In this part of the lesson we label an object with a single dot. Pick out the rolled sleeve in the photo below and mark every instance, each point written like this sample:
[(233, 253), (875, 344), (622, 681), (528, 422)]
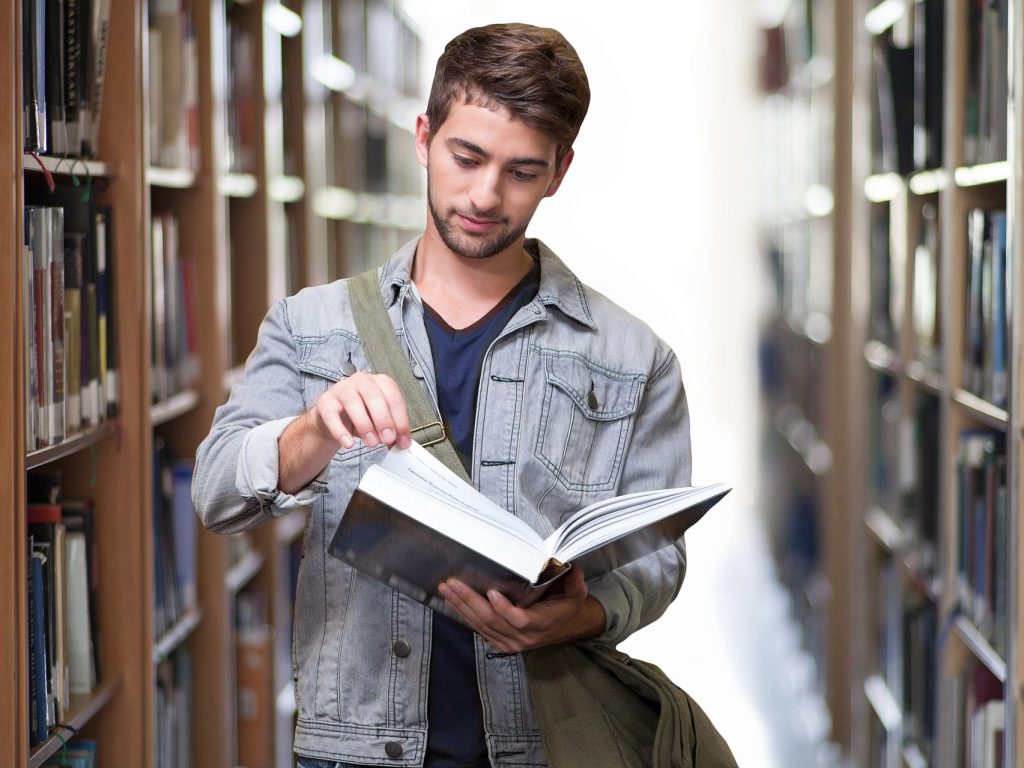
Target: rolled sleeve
[(257, 473)]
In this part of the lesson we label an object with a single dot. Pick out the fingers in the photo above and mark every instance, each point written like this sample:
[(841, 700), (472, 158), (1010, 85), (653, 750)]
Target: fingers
[(369, 407)]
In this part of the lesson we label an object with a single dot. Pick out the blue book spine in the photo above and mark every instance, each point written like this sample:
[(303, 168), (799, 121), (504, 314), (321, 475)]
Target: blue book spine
[(36, 651)]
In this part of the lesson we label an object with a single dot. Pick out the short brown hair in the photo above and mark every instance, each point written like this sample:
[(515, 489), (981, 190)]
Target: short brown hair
[(533, 72)]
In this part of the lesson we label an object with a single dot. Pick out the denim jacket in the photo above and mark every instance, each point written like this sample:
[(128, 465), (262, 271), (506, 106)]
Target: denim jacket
[(578, 401)]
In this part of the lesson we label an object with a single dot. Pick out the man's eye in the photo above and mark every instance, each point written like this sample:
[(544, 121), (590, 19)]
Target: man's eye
[(523, 175), (465, 162)]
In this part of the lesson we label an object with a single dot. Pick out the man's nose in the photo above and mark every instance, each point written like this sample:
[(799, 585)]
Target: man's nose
[(485, 194)]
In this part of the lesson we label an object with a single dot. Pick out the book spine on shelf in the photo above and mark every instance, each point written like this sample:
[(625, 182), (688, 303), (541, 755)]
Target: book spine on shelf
[(34, 104)]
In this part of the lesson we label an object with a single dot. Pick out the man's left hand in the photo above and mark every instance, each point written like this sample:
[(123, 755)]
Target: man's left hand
[(570, 614)]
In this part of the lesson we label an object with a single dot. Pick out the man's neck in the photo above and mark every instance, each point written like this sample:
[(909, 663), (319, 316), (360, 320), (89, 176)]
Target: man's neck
[(461, 289)]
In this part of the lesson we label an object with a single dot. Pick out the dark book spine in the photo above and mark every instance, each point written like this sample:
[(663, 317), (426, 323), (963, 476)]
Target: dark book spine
[(33, 42), (54, 69), (105, 217), (72, 72), (36, 651)]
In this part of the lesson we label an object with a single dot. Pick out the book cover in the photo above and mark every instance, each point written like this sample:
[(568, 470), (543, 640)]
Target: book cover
[(412, 523)]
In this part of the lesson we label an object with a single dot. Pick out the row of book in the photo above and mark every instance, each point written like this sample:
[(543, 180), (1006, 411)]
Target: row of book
[(64, 53), (174, 321), (173, 710), (174, 539), (242, 120), (982, 534), (173, 80), (980, 727), (71, 380), (63, 627), (985, 86), (988, 297), (908, 91)]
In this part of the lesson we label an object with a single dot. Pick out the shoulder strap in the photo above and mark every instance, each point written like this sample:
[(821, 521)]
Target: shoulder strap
[(386, 356)]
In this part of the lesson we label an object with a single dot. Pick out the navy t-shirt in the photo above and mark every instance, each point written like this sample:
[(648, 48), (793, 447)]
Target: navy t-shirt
[(456, 735)]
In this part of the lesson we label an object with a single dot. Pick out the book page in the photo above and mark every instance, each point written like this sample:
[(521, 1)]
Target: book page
[(608, 520), (417, 467)]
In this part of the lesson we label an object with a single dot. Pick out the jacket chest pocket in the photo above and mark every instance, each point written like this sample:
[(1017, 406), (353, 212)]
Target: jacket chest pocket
[(326, 361), (586, 418)]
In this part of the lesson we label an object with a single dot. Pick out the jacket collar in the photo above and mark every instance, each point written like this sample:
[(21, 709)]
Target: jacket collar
[(559, 287)]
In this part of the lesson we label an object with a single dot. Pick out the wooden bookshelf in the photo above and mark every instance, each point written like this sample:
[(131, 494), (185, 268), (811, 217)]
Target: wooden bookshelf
[(251, 235), (916, 333)]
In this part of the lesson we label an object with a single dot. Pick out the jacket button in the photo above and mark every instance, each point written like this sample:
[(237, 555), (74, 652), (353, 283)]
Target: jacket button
[(401, 649), (393, 749)]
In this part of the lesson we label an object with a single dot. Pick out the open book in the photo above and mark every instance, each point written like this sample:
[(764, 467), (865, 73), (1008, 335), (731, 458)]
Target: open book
[(412, 523)]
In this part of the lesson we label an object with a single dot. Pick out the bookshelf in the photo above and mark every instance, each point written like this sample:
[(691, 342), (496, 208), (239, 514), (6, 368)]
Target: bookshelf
[(927, 360), (804, 360), (230, 228)]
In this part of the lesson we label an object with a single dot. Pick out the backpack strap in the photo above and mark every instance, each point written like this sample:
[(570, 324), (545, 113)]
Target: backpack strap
[(386, 356)]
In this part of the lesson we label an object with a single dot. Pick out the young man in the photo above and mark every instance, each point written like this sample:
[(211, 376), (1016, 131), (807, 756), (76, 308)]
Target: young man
[(553, 395)]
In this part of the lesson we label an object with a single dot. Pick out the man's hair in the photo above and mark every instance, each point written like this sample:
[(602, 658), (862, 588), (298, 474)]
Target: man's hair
[(533, 72)]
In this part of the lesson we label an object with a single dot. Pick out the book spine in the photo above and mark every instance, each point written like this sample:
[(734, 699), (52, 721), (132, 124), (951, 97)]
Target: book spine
[(34, 75), (72, 73), (57, 323), (73, 323), (105, 228), (37, 649), (54, 69), (102, 299), (96, 71), (29, 326)]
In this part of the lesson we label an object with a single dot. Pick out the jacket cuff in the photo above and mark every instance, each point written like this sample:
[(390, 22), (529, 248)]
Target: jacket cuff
[(613, 596), (256, 476)]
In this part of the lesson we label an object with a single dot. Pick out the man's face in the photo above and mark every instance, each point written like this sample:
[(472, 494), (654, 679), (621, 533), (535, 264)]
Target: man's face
[(486, 175)]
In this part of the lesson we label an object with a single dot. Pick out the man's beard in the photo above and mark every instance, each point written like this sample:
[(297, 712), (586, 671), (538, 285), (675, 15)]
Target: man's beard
[(471, 246)]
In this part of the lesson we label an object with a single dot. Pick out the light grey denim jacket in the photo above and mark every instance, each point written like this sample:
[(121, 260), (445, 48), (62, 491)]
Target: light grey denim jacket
[(544, 448)]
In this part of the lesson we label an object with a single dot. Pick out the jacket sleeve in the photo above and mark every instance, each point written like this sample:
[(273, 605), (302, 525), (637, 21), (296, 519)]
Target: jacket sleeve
[(658, 456), (235, 482)]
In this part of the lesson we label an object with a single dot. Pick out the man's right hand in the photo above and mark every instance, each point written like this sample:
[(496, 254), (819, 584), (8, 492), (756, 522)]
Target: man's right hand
[(364, 405)]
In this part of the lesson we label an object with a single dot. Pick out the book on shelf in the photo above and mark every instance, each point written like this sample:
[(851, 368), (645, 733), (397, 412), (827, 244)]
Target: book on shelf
[(173, 705), (986, 321), (893, 118), (68, 318), (48, 537), (64, 50), (983, 718), (920, 670), (174, 351), (38, 664), (174, 538), (986, 82), (173, 78), (33, 84), (929, 47), (241, 94), (412, 523), (981, 534), (926, 309)]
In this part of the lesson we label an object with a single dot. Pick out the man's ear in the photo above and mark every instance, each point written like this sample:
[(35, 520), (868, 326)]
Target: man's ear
[(563, 167), (422, 138)]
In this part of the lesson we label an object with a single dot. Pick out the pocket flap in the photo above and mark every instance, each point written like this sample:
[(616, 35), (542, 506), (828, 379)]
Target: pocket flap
[(333, 357), (599, 393)]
